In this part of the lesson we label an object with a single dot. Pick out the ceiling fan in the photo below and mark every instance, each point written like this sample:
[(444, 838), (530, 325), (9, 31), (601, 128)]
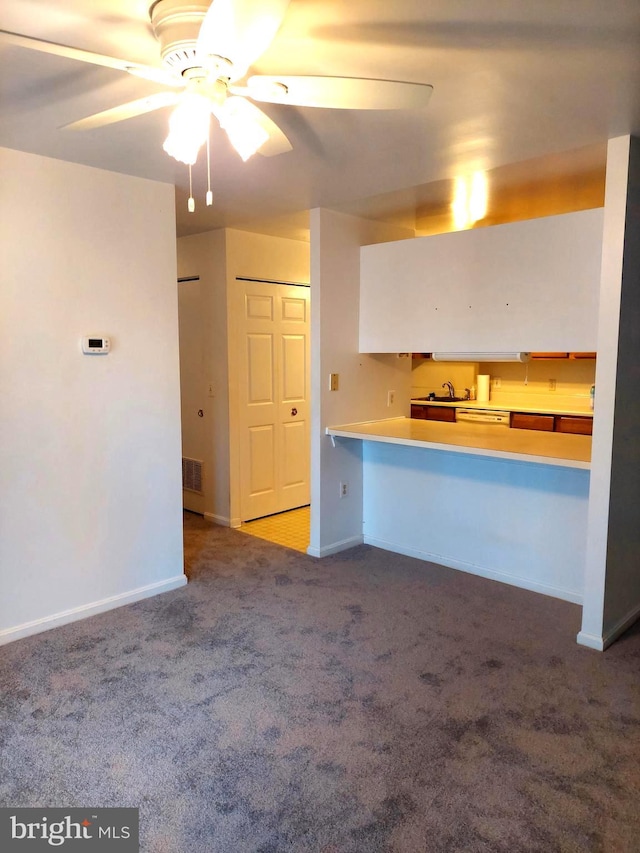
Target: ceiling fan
[(208, 46)]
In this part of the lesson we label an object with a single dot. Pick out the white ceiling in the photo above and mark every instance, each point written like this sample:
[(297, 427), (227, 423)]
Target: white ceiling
[(513, 80)]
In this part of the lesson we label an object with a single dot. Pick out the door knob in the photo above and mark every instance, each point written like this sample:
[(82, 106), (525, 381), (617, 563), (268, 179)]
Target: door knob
[(294, 412)]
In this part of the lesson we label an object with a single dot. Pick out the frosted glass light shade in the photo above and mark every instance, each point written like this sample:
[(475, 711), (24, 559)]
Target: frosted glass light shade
[(188, 127), (246, 134)]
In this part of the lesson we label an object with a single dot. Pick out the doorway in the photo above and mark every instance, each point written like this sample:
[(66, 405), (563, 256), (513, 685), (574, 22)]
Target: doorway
[(291, 529)]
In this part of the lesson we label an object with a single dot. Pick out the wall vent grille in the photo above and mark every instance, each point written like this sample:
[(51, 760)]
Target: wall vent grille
[(192, 475)]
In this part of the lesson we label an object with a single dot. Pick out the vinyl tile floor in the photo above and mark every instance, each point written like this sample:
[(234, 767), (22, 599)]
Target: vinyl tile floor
[(290, 529)]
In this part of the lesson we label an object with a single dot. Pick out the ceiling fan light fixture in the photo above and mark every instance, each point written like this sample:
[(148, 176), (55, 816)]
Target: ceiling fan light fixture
[(245, 133), (188, 127)]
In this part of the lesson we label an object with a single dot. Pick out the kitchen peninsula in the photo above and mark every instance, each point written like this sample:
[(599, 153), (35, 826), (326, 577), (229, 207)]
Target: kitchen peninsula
[(506, 504)]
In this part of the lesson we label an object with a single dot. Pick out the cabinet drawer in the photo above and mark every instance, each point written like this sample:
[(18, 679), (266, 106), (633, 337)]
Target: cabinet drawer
[(433, 413), (577, 425), (440, 413), (520, 420)]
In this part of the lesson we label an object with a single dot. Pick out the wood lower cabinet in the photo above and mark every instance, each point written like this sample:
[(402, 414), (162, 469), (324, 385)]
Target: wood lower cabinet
[(574, 424), (434, 413), (522, 420), (553, 423)]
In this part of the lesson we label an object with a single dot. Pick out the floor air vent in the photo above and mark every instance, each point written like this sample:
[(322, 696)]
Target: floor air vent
[(192, 475)]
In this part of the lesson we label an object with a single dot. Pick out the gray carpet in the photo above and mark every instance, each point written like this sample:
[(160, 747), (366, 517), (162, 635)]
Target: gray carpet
[(366, 702)]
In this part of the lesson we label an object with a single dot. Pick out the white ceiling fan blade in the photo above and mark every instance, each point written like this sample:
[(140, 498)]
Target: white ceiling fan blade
[(347, 93), (124, 111), (158, 75), (240, 31)]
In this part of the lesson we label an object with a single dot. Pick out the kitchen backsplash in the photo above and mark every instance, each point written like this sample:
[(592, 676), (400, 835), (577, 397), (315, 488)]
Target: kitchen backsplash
[(512, 384), (427, 376)]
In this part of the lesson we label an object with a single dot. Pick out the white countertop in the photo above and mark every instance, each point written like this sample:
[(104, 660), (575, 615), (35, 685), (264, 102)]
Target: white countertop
[(544, 409), (544, 448)]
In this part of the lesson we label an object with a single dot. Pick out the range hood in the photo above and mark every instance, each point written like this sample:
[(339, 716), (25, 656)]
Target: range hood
[(522, 357)]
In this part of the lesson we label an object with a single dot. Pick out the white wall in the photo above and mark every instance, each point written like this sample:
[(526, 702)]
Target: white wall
[(529, 285), (364, 379), (612, 579), (203, 255), (219, 257), (90, 509)]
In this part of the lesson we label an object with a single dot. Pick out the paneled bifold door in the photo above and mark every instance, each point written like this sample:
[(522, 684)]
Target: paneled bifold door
[(274, 398)]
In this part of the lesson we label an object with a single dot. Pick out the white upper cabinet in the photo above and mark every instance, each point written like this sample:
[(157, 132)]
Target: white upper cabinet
[(529, 286)]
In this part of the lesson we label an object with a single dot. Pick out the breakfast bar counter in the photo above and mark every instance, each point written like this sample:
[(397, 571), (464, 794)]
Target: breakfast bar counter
[(545, 448)]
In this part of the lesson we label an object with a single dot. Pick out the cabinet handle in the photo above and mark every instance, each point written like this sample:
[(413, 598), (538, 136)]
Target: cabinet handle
[(294, 412)]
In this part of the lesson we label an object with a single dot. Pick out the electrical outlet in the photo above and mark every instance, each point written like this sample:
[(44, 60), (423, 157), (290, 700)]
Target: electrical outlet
[(391, 398), (334, 381), (344, 490), (552, 385)]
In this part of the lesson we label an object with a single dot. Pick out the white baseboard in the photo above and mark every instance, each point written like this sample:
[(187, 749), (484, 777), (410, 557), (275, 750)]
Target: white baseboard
[(8, 635), (591, 641), (335, 547), (222, 520), (480, 571), (610, 636)]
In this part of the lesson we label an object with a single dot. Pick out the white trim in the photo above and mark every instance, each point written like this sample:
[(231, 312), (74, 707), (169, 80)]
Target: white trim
[(480, 571), (591, 641), (602, 643), (8, 635), (336, 547), (223, 520)]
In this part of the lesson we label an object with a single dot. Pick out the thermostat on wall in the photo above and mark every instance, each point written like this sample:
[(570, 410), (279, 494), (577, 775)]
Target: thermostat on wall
[(95, 345)]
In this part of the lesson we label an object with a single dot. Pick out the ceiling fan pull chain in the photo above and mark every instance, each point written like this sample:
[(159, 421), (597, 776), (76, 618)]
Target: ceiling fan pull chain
[(209, 193), (191, 204)]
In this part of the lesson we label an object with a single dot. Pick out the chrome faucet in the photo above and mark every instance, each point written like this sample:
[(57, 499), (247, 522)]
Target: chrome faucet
[(449, 385)]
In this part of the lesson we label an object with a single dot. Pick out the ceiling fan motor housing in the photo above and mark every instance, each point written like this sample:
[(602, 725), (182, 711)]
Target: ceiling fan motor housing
[(176, 24)]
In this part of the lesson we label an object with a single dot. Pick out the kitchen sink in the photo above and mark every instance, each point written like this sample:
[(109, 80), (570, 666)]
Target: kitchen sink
[(442, 399)]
